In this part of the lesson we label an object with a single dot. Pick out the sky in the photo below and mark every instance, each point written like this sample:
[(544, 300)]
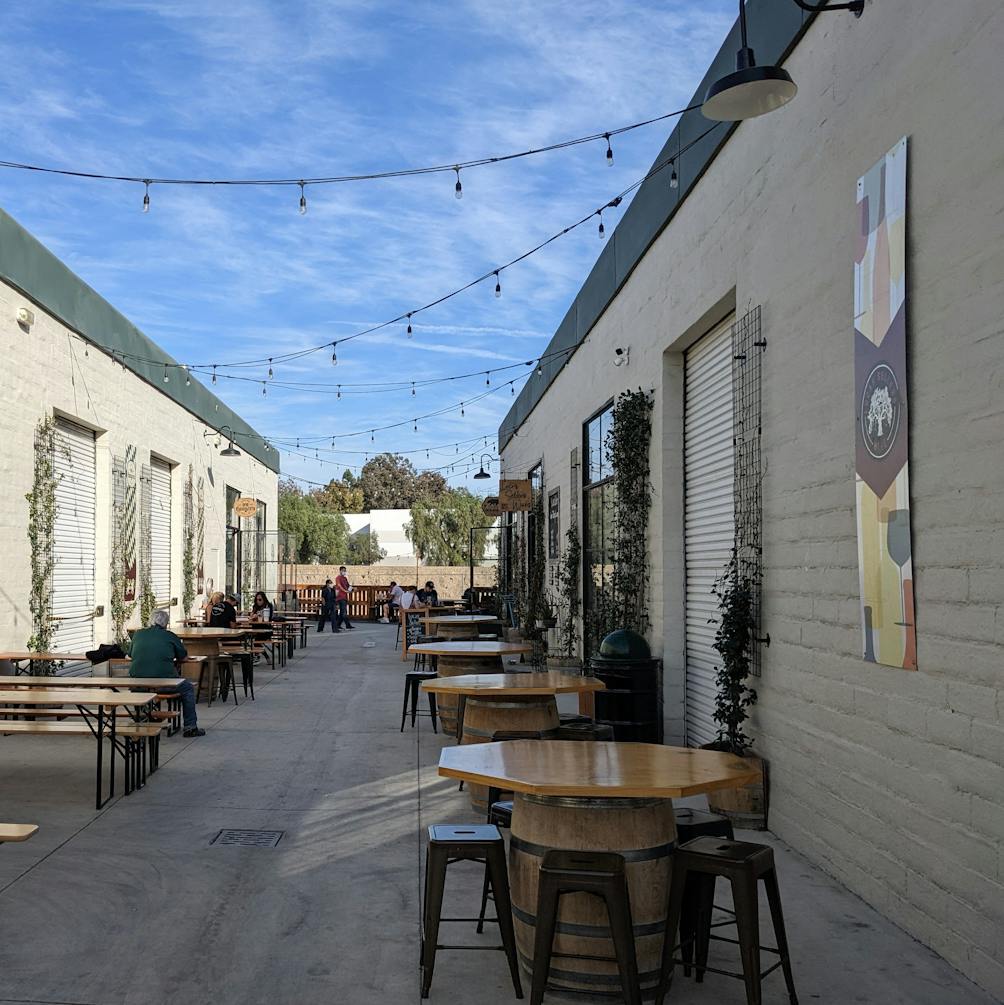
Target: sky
[(268, 88)]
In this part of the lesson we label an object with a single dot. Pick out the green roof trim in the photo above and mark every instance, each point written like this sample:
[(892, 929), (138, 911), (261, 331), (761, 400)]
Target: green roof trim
[(775, 28), (28, 266)]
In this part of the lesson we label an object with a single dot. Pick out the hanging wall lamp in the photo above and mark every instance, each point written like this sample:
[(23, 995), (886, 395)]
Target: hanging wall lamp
[(756, 90)]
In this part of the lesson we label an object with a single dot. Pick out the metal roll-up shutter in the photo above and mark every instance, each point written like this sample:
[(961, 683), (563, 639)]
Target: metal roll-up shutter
[(709, 521), (73, 539), (160, 530)]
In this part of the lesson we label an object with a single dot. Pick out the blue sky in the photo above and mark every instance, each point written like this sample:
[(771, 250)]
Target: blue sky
[(253, 88)]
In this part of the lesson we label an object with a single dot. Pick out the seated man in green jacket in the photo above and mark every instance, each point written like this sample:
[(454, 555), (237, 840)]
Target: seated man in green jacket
[(156, 652)]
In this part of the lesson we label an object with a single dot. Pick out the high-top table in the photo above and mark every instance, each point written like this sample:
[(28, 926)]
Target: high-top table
[(492, 703), (594, 797), (452, 626)]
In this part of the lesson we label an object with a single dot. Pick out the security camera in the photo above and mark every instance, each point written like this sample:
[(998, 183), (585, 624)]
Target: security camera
[(622, 356)]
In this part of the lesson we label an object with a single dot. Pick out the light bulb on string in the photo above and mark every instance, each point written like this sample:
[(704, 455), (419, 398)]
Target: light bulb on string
[(372, 440), (270, 368), (512, 390), (334, 354), (602, 231), (409, 325), (416, 425), (498, 284), (167, 379), (458, 189), (413, 389), (461, 408), (540, 368), (303, 200), (610, 150), (488, 378), (674, 181), (263, 391), (146, 197), (188, 378), (214, 373), (339, 391)]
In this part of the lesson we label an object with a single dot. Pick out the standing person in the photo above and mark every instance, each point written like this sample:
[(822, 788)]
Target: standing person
[(328, 608), (342, 590), (156, 652)]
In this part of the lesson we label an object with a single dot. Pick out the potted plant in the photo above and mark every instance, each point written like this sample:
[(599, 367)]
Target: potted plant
[(734, 638), (545, 613)]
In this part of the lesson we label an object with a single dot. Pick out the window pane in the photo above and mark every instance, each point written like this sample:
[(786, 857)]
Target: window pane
[(597, 465), (553, 525)]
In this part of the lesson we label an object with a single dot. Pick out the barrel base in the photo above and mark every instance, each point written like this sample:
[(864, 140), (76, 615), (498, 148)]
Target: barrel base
[(644, 832)]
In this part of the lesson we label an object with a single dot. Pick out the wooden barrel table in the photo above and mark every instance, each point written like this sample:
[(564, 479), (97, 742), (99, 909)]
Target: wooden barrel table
[(460, 626), (614, 797), (643, 831), (459, 659)]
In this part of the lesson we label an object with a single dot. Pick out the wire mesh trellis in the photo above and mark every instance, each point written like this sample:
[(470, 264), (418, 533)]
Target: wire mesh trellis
[(748, 346)]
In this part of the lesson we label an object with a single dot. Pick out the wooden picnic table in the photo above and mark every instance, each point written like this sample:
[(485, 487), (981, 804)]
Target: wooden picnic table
[(130, 683), (594, 797), (17, 832), (33, 658), (94, 705)]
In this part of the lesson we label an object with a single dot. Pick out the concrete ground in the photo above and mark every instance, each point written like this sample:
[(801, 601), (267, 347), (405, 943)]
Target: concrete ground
[(134, 904)]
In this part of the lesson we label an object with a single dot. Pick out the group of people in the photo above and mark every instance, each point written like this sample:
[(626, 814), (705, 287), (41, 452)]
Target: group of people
[(220, 610), (335, 603), (404, 598)]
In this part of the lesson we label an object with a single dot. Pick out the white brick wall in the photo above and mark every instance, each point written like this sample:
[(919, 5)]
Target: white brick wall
[(892, 781), (46, 369)]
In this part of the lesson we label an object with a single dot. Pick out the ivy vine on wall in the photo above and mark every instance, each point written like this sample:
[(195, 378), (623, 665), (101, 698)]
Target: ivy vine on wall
[(120, 609), (628, 448), (42, 511), (188, 569), (566, 583)]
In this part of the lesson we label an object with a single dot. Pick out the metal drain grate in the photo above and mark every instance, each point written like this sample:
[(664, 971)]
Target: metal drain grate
[(249, 839)]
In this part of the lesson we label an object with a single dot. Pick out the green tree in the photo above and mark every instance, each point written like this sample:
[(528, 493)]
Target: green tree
[(340, 497), (440, 528), (318, 536), (390, 481), (364, 549)]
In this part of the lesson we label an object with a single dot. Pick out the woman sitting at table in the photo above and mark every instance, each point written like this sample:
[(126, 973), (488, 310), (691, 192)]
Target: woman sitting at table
[(261, 610)]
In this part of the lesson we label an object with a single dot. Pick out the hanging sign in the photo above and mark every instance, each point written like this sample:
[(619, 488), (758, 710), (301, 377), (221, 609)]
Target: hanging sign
[(515, 495), (491, 506), (885, 557), (245, 507)]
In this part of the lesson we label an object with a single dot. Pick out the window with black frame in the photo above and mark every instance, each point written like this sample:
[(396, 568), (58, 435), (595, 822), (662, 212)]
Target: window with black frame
[(554, 525), (597, 525)]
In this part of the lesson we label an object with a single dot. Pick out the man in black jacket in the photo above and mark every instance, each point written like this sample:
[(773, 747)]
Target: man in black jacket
[(328, 608)]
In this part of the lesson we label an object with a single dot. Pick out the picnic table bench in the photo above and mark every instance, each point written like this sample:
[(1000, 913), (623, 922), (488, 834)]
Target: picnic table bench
[(97, 707), (33, 659), (17, 832)]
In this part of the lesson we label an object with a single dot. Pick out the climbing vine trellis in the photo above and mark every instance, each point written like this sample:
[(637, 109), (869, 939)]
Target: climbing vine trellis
[(122, 570), (42, 509), (566, 584), (188, 569), (147, 599), (628, 448)]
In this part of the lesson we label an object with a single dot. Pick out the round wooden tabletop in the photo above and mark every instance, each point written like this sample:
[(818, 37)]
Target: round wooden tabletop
[(502, 684), (605, 770), (470, 648)]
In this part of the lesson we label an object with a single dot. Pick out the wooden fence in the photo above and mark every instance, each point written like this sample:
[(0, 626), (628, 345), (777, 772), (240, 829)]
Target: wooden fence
[(362, 600)]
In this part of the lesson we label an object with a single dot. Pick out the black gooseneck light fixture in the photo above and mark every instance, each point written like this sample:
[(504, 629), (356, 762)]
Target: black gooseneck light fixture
[(230, 450), (482, 473), (756, 90)]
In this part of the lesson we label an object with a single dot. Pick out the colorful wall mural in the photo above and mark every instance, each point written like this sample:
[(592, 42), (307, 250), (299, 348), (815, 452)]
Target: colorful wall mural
[(885, 554)]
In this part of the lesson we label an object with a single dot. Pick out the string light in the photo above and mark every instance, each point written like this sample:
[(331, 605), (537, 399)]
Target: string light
[(416, 425), (334, 354), (601, 231), (461, 408), (167, 379), (540, 368), (413, 389), (409, 324), (488, 379), (674, 181), (303, 200), (270, 374), (458, 189), (339, 390), (498, 284), (263, 392), (188, 378), (146, 197), (610, 150), (214, 373)]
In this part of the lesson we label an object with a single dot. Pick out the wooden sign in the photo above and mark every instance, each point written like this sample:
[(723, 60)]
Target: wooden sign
[(515, 495), (491, 506), (246, 507)]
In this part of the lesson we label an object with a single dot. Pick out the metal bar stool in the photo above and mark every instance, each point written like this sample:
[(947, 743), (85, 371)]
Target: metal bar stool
[(743, 864), (595, 872), (412, 679), (471, 843)]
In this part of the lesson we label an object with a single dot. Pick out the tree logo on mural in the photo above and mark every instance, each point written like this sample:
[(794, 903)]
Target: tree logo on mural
[(881, 408)]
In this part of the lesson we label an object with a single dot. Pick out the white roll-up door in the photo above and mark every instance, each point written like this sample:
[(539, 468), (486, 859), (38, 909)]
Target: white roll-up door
[(709, 524), (73, 539), (160, 530)]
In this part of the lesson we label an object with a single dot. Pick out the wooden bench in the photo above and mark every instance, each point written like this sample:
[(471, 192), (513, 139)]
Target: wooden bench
[(132, 739), (17, 832)]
